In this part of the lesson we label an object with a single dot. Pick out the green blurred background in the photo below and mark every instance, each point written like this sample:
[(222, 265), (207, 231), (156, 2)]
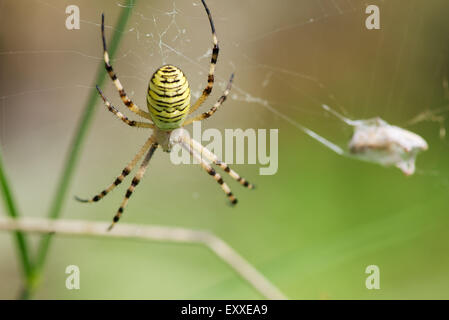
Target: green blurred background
[(312, 228)]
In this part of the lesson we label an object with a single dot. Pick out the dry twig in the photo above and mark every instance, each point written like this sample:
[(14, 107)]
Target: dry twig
[(153, 233)]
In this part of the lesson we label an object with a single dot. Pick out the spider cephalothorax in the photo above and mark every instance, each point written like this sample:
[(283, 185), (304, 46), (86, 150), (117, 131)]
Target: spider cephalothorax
[(168, 100)]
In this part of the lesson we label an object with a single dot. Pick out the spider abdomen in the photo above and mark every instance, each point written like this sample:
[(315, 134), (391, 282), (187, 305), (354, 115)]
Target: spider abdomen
[(168, 97)]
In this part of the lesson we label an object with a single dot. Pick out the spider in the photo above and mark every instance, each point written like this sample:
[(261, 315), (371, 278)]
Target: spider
[(168, 102)]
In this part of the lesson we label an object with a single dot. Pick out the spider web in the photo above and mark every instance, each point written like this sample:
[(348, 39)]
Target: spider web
[(290, 58), (161, 32)]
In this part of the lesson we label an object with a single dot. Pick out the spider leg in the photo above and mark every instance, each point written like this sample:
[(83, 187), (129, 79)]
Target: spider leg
[(214, 159), (211, 172), (126, 100), (123, 175), (215, 107), (122, 117), (213, 62), (134, 183)]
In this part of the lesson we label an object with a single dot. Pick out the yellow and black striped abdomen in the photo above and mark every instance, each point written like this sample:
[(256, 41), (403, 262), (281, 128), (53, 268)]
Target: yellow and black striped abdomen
[(168, 97)]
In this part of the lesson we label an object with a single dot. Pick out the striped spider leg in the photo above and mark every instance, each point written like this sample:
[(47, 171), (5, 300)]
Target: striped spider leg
[(211, 171), (213, 62), (203, 151), (149, 144), (214, 108), (198, 151), (134, 183), (168, 102), (120, 115), (122, 176), (126, 100)]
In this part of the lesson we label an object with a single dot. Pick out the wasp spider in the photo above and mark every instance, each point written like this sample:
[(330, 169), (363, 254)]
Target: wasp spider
[(168, 101)]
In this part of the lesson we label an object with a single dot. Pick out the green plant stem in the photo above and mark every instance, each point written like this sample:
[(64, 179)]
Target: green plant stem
[(75, 147), (11, 209)]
